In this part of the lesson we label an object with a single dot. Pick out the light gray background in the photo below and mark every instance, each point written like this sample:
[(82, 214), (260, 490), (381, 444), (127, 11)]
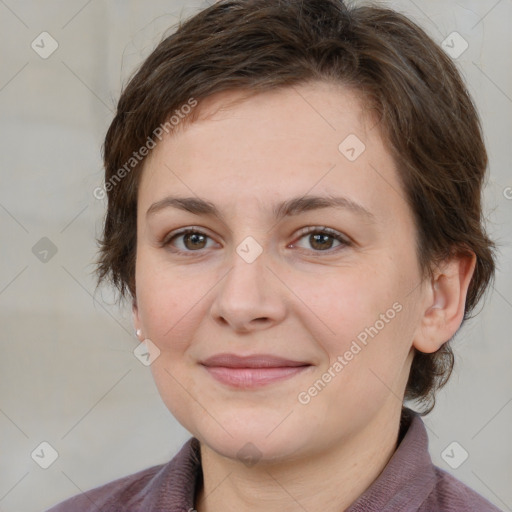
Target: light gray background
[(68, 374)]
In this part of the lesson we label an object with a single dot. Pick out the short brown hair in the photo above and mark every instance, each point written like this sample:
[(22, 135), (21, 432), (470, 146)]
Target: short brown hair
[(425, 112)]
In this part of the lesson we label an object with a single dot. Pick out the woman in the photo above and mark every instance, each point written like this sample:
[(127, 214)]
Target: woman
[(294, 211)]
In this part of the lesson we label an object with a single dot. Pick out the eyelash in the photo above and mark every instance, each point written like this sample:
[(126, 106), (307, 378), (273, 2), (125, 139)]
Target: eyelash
[(344, 241)]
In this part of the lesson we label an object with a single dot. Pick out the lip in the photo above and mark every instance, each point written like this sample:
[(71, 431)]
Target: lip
[(252, 371), (252, 361)]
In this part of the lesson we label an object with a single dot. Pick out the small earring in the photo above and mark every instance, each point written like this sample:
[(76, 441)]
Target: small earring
[(139, 333)]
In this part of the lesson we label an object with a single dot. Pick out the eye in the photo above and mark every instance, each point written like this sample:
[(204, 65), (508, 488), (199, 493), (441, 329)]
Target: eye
[(322, 239), (192, 240)]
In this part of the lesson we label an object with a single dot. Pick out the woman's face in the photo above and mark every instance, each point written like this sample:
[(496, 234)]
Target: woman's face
[(334, 289)]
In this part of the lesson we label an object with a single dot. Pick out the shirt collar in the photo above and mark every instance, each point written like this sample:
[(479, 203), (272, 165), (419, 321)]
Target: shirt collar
[(409, 476), (403, 485)]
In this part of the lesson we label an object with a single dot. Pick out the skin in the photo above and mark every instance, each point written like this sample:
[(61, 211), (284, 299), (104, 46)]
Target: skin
[(298, 300)]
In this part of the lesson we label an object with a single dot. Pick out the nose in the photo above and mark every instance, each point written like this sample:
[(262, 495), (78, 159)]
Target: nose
[(249, 297)]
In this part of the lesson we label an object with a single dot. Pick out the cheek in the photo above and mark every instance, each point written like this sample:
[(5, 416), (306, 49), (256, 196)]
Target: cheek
[(341, 303), (362, 325), (167, 305)]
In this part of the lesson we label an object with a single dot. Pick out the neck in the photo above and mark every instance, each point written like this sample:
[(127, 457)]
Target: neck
[(330, 481)]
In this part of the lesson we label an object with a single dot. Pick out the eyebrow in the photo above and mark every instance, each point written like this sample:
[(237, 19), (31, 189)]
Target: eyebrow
[(290, 207)]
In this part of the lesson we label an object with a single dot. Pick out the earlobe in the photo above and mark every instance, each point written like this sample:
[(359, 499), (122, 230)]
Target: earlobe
[(136, 320), (446, 300)]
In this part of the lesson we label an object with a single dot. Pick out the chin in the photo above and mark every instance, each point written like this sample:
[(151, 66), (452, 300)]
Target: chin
[(249, 439), (251, 450)]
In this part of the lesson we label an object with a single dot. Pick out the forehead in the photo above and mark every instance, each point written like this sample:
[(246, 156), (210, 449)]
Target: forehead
[(276, 144)]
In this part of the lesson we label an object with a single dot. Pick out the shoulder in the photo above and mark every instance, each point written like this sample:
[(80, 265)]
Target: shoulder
[(113, 496), (169, 486), (451, 495)]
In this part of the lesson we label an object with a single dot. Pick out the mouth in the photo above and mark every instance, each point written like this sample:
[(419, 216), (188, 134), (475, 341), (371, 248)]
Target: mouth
[(252, 371)]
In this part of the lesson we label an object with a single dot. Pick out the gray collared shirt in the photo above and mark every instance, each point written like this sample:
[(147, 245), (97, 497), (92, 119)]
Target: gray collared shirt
[(408, 483)]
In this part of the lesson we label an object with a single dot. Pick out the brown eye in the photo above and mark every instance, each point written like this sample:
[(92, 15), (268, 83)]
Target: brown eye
[(194, 241), (321, 241), (324, 239), (188, 240)]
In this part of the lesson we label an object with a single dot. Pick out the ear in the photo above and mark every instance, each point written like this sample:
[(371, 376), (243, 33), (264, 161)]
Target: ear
[(135, 311), (445, 301)]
